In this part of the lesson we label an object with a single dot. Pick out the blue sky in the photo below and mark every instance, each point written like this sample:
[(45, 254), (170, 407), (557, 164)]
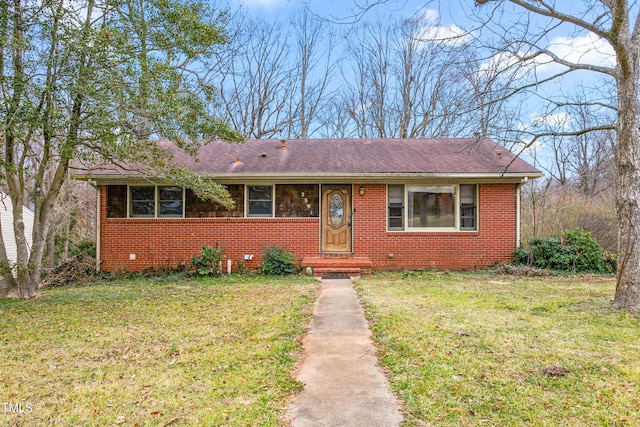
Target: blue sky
[(451, 18), (447, 17), (330, 9)]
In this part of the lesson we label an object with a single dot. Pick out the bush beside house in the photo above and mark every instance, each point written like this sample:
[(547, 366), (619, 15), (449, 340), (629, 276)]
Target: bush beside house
[(573, 251)]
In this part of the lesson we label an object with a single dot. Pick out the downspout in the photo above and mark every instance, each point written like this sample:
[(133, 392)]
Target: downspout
[(518, 209), (99, 228)]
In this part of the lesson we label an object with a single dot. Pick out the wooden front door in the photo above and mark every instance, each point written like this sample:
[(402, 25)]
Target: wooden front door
[(336, 218)]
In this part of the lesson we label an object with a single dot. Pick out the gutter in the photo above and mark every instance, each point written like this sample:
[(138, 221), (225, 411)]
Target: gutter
[(98, 231), (323, 177), (98, 227)]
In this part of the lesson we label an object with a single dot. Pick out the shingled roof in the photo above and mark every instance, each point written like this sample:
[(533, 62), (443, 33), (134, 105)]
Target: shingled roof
[(348, 157)]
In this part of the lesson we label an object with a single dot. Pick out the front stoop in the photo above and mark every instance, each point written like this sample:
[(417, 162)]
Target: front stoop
[(329, 267)]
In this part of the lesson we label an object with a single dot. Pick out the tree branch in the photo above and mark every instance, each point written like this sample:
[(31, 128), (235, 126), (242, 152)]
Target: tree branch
[(569, 64), (550, 11)]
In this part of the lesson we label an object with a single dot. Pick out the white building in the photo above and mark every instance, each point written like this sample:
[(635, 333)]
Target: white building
[(6, 220)]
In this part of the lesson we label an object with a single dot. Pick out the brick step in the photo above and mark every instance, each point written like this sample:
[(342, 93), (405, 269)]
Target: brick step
[(351, 267), (322, 262)]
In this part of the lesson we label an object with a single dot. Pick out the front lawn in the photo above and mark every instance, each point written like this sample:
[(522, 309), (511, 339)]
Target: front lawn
[(163, 352), (472, 349)]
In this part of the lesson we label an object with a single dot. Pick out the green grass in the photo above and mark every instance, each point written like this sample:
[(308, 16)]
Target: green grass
[(204, 352), (516, 327), (147, 352)]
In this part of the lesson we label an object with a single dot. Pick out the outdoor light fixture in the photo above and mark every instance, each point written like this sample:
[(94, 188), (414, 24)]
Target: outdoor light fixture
[(362, 190)]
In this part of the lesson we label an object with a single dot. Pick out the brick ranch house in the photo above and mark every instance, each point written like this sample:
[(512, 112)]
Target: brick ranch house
[(339, 205)]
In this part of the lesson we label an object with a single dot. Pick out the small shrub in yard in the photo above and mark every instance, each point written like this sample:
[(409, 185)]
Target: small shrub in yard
[(83, 248), (574, 251), (209, 262), (241, 267), (277, 261)]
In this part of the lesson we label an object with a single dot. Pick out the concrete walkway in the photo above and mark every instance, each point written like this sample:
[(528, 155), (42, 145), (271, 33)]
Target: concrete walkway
[(343, 384)]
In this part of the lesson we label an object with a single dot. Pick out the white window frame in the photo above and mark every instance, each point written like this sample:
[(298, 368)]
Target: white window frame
[(403, 207), (156, 203), (457, 213), (247, 213), (475, 204), (130, 213)]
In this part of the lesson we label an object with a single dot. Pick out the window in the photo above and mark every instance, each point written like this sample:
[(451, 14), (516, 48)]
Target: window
[(260, 201), (432, 207), (467, 207), (142, 202), (194, 207), (170, 202), (396, 207), (116, 201)]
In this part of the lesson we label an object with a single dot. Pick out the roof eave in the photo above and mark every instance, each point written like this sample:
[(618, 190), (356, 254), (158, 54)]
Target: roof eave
[(330, 177)]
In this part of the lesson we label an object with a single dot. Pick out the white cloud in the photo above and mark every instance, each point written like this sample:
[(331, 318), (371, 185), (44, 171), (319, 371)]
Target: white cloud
[(430, 16), (558, 122), (431, 31), (450, 34), (529, 148), (506, 64), (555, 121), (584, 50)]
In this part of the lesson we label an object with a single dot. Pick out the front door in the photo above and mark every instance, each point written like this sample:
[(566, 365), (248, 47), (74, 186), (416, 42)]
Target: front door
[(336, 218)]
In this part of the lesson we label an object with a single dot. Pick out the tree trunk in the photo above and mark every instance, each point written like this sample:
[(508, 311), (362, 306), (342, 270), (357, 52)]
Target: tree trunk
[(51, 248), (628, 192)]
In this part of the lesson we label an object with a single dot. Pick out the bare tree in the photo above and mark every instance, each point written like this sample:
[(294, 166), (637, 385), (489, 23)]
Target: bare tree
[(618, 23), (591, 157), (254, 76), (334, 118), (314, 63), (518, 33), (405, 84)]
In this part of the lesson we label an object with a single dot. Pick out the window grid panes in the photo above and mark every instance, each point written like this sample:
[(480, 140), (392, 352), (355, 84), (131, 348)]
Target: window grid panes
[(152, 202), (142, 202), (170, 202), (468, 207), (396, 206), (260, 201)]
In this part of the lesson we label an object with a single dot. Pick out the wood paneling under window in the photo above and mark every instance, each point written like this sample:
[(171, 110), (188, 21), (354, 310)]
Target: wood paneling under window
[(196, 208), (297, 200), (116, 201)]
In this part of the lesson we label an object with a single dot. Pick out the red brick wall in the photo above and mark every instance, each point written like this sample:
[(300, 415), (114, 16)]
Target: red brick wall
[(494, 241), (167, 242)]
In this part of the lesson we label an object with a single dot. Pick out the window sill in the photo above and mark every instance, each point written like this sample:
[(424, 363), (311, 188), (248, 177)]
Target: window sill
[(423, 232)]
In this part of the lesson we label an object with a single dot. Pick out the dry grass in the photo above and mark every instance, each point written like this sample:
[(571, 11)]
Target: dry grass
[(482, 349), (143, 353)]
